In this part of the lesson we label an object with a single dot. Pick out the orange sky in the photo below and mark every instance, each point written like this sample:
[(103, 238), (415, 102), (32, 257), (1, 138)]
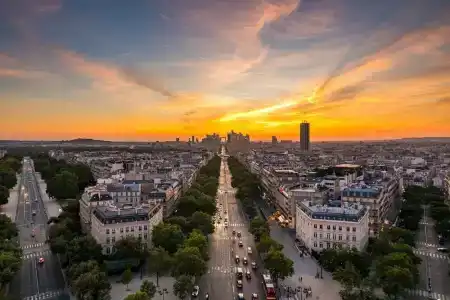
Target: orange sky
[(258, 70)]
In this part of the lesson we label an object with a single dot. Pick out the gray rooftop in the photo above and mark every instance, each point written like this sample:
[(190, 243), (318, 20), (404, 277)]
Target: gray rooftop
[(108, 214), (348, 213)]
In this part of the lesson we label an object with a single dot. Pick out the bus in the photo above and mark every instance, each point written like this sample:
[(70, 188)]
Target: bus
[(269, 287)]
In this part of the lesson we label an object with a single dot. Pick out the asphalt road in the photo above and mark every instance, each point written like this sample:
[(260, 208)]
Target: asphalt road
[(35, 280), (221, 280), (434, 263)]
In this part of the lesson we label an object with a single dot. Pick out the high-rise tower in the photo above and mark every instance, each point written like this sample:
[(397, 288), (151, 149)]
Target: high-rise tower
[(304, 136)]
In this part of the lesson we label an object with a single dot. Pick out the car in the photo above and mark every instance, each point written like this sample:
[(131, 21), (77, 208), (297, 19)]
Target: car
[(33, 213), (236, 259), (249, 250), (442, 249), (245, 261), (248, 275), (33, 234), (240, 296), (254, 296), (226, 224), (254, 266), (233, 232), (239, 283), (195, 291), (239, 234), (41, 260), (241, 244)]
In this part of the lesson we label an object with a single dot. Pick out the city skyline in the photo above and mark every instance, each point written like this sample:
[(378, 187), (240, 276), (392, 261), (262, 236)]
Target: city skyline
[(147, 71)]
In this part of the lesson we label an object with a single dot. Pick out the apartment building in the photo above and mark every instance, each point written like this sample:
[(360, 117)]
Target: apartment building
[(382, 196), (322, 227), (92, 197), (110, 224)]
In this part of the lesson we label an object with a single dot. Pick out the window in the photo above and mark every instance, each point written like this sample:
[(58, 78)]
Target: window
[(328, 236), (320, 245), (113, 231), (315, 225), (121, 230), (107, 231), (328, 227), (315, 234), (145, 227), (132, 228), (340, 228), (108, 250), (354, 238), (334, 236), (348, 228), (354, 229), (340, 237), (320, 235), (140, 228), (140, 236), (127, 229), (315, 244), (145, 236), (328, 245), (320, 226), (334, 227), (113, 239), (107, 240)]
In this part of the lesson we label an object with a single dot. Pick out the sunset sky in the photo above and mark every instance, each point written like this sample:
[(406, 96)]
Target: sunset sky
[(160, 69)]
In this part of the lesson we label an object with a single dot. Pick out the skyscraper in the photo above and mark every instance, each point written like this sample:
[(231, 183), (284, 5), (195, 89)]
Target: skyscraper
[(304, 136)]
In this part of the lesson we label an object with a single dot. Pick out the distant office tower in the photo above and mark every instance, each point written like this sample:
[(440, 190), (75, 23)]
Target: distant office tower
[(193, 139), (304, 136), (274, 140)]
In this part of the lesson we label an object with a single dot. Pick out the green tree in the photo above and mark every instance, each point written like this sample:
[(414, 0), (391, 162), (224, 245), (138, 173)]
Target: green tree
[(4, 195), (189, 261), (139, 295), (63, 185), (203, 222), (396, 280), (168, 236), (93, 285), (11, 162), (159, 262), (10, 263), (180, 221), (259, 227), (357, 294), (399, 235), (265, 244), (183, 286), (278, 265), (198, 240), (130, 247), (127, 276), (348, 276), (8, 229), (148, 288), (84, 248), (7, 177), (76, 270)]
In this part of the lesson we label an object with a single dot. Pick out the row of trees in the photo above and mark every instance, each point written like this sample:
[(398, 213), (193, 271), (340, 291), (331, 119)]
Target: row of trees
[(247, 185), (248, 191), (9, 166), (181, 243), (10, 252), (64, 181), (388, 263)]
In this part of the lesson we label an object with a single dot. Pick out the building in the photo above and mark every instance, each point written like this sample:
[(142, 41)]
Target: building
[(274, 140), (110, 224), (304, 136), (92, 197), (322, 227)]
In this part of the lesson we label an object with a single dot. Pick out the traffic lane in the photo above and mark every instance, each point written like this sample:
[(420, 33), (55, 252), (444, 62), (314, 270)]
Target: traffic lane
[(423, 272), (439, 276), (49, 274), (220, 279), (29, 284)]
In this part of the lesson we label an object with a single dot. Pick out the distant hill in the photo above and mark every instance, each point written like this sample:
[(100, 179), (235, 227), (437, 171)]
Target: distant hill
[(86, 141)]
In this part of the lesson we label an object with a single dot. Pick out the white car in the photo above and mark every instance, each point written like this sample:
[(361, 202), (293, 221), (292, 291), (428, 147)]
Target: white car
[(249, 250), (226, 224), (195, 291)]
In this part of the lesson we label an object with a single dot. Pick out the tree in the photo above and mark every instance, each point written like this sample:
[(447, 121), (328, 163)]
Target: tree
[(93, 285), (130, 247), (189, 261), (4, 195), (183, 286), (278, 265), (396, 280), (76, 270), (9, 264), (127, 276), (148, 288), (180, 221), (258, 227), (84, 248), (159, 262), (12, 163), (265, 244), (139, 295), (198, 240), (399, 235), (63, 185), (7, 177), (348, 276), (357, 294), (168, 236), (8, 229), (203, 222)]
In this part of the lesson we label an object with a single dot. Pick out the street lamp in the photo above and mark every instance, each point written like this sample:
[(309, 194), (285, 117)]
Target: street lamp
[(163, 292)]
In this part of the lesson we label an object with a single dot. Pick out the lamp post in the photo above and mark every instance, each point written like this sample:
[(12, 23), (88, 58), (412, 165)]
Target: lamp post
[(163, 292)]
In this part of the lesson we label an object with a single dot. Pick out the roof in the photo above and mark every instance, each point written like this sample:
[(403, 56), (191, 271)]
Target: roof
[(348, 213), (111, 214)]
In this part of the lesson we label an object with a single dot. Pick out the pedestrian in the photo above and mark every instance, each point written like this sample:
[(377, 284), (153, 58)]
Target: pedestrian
[(301, 278)]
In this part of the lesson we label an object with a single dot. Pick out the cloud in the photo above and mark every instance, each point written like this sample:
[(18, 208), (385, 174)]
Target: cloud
[(146, 81)]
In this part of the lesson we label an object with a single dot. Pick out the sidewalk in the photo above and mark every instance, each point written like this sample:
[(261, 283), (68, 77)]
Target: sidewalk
[(119, 292), (10, 209), (52, 207)]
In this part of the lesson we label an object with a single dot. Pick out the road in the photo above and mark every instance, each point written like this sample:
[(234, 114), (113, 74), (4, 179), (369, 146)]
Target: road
[(221, 281), (434, 263), (35, 280)]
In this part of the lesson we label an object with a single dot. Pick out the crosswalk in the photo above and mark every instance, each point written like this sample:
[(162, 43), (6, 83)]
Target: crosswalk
[(432, 255), (428, 245), (218, 269), (425, 294), (231, 225), (30, 246), (35, 254), (425, 223), (44, 296)]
